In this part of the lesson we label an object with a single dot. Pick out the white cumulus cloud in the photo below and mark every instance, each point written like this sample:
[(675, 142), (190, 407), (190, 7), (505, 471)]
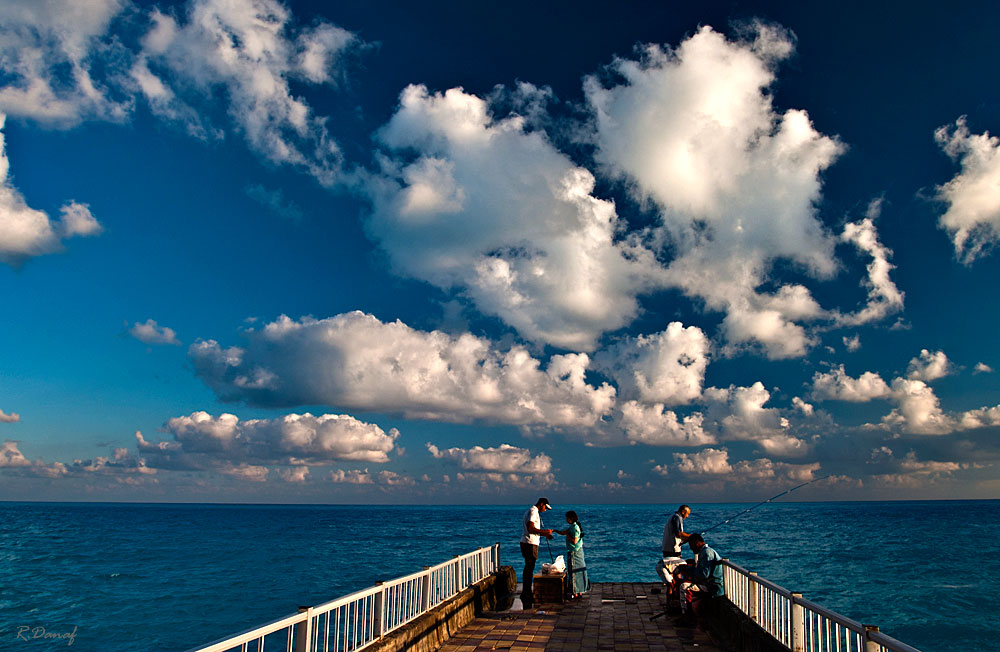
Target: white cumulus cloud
[(836, 385), (357, 362), (249, 52), (918, 410), (203, 441), (884, 298), (666, 367), (13, 417), (655, 426), (353, 476), (152, 333), (26, 232), (503, 459), (929, 366), (739, 414), (693, 130), (973, 195), (48, 51), (492, 209), (711, 461)]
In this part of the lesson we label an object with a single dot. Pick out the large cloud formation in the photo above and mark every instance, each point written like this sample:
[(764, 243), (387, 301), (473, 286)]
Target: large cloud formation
[(693, 131), (357, 362), (494, 210)]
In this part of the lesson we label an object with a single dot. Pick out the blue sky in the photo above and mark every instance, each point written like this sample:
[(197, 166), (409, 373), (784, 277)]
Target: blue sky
[(290, 252)]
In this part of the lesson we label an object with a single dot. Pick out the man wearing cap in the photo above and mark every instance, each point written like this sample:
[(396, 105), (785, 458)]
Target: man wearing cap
[(704, 579), (531, 533)]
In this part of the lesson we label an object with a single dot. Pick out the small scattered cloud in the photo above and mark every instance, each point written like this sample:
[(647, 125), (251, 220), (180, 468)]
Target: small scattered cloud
[(249, 52), (26, 232), (884, 298), (276, 201), (836, 385), (929, 366), (982, 368), (852, 344), (972, 196), (504, 459), (13, 417), (227, 444), (805, 408), (341, 476), (150, 332)]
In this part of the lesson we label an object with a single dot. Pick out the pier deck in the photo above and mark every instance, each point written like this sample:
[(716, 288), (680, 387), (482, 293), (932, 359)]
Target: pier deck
[(613, 616)]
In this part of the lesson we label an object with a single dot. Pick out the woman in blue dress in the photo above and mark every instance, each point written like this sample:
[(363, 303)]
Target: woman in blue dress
[(579, 583)]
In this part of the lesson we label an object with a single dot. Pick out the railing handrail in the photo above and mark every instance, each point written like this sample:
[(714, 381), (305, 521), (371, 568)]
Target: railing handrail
[(780, 590), (889, 642), (840, 619), (371, 616), (789, 625), (228, 642)]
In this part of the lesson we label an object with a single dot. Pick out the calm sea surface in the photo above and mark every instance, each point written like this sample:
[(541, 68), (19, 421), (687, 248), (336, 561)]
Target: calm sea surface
[(133, 578)]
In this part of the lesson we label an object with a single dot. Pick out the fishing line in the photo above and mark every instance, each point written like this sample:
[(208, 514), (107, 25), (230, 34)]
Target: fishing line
[(763, 502)]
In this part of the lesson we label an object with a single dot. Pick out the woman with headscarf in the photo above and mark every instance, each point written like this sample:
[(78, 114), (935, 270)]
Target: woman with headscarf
[(579, 583)]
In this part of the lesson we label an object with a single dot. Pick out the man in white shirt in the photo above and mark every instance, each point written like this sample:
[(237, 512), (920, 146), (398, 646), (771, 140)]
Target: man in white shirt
[(531, 533), (673, 537)]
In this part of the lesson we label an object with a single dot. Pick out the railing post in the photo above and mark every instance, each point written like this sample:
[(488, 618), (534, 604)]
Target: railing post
[(425, 593), (798, 625), (496, 556), (870, 645), (753, 591), (379, 602), (303, 631), (456, 565)]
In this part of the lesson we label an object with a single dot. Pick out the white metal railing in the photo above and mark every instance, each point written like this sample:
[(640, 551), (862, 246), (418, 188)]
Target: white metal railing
[(799, 624), (355, 621)]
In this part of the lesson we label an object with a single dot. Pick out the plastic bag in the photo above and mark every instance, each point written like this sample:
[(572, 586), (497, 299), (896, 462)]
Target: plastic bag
[(557, 566)]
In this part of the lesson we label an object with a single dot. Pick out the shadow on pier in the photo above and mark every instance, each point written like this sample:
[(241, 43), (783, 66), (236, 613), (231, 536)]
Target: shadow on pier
[(613, 616)]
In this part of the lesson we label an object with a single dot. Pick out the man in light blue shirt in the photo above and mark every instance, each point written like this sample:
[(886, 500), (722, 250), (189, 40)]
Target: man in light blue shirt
[(704, 578)]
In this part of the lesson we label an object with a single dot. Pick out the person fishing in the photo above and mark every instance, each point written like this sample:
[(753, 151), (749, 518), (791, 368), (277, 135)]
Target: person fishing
[(704, 579), (579, 583), (674, 537)]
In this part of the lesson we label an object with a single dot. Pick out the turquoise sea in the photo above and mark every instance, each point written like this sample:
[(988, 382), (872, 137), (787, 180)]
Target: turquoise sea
[(137, 577)]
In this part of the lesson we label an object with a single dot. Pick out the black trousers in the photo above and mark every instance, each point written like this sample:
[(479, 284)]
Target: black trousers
[(530, 554)]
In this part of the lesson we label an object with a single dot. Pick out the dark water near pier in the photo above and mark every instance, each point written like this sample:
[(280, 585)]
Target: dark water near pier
[(169, 577)]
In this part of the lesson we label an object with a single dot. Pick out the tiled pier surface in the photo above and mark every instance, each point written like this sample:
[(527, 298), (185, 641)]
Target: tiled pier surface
[(612, 617)]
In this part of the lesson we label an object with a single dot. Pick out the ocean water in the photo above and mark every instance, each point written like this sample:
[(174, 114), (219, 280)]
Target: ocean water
[(137, 577)]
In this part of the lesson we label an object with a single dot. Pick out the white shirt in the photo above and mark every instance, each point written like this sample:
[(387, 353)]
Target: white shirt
[(531, 516)]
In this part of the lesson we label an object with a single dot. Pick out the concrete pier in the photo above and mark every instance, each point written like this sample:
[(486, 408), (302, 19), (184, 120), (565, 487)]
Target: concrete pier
[(612, 617)]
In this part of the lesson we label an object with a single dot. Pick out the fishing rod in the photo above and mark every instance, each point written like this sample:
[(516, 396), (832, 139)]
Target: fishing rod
[(763, 502)]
